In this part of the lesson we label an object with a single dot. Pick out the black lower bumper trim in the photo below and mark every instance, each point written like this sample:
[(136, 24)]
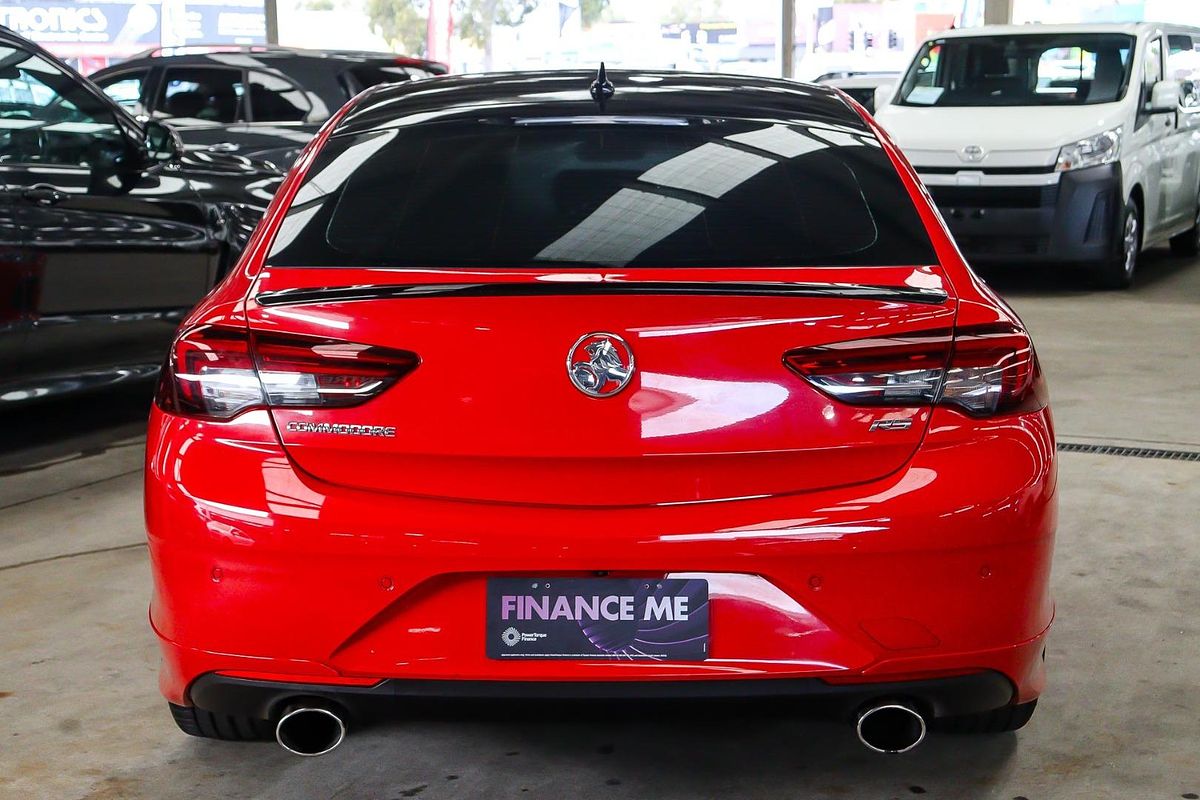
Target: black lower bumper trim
[(940, 697), (1075, 221)]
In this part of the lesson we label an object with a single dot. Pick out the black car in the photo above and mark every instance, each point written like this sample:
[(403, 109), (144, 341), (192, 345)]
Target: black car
[(259, 101), (109, 230)]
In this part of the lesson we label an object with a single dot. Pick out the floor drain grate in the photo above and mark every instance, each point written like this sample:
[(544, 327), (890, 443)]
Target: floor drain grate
[(1131, 452)]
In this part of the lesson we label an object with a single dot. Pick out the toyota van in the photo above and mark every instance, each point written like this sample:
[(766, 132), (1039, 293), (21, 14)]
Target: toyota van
[(1057, 144)]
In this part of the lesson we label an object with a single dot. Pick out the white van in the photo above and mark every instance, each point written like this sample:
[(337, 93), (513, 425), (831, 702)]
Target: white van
[(1057, 143)]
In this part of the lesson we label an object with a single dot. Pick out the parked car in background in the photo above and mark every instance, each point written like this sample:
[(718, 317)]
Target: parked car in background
[(258, 101), (861, 87), (752, 427), (1057, 143), (109, 230)]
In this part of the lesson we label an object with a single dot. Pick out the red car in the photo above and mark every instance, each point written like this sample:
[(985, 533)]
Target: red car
[(639, 385)]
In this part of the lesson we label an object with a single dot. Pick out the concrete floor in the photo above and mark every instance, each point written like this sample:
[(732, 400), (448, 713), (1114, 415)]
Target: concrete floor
[(80, 715)]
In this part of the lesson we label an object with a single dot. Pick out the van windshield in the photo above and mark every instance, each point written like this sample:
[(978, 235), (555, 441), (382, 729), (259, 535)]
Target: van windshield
[(1020, 70)]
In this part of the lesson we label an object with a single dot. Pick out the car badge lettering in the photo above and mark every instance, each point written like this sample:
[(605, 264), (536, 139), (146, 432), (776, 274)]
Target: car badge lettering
[(891, 425), (600, 364), (341, 429)]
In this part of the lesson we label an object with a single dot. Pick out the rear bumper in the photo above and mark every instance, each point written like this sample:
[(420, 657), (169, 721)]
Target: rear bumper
[(937, 697), (266, 575), (1072, 221)]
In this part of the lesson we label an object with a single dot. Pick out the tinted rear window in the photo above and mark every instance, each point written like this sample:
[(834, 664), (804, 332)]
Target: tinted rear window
[(721, 194)]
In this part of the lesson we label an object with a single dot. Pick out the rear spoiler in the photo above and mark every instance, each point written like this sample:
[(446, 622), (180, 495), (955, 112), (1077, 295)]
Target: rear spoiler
[(341, 294)]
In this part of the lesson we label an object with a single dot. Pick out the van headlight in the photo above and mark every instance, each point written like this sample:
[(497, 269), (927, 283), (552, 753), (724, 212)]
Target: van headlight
[(1103, 148)]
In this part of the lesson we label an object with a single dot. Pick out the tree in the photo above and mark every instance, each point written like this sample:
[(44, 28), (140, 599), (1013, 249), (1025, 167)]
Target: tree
[(476, 20), (591, 10), (682, 11), (401, 22)]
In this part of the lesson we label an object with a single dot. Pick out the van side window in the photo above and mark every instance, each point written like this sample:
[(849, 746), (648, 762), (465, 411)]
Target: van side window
[(1183, 65), (1152, 73)]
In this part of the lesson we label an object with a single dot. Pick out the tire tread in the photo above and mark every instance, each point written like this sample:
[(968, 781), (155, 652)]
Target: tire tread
[(1110, 273)]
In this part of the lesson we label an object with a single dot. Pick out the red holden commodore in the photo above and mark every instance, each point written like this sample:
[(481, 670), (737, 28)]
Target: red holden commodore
[(571, 386)]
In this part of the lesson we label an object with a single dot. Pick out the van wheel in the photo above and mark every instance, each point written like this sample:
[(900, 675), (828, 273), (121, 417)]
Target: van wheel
[(1117, 271), (1188, 242)]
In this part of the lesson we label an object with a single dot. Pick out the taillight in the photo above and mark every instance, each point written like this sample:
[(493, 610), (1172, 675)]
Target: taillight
[(899, 371), (983, 370), (210, 373), (216, 373), (993, 370)]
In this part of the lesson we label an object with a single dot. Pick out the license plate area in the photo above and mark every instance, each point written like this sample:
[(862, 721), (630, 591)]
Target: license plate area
[(620, 619)]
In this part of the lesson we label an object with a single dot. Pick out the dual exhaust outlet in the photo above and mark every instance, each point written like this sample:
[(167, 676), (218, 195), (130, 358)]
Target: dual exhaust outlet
[(310, 730), (894, 726), (314, 730)]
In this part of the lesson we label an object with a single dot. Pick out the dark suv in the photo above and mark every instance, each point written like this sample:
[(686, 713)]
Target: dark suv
[(109, 230), (264, 102)]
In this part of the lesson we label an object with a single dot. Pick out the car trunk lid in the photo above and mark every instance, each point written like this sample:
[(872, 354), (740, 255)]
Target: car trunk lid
[(711, 412)]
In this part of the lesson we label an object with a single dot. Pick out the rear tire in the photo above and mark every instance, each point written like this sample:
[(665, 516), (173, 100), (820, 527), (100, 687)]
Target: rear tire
[(1117, 271), (1000, 720), (227, 727), (1187, 244)]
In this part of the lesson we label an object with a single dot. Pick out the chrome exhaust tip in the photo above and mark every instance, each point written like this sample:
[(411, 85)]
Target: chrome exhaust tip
[(893, 727), (310, 730)]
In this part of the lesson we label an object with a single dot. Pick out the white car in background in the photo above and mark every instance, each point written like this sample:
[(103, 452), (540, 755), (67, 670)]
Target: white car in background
[(1057, 143)]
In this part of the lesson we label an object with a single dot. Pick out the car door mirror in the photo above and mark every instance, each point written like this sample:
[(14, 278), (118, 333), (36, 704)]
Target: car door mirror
[(161, 142), (1165, 96), (883, 95)]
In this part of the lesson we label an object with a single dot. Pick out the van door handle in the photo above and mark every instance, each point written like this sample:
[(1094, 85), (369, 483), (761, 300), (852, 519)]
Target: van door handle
[(225, 147), (44, 195)]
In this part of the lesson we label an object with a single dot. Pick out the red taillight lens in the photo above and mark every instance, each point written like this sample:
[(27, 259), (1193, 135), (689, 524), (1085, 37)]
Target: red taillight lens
[(993, 370), (210, 373), (306, 372), (216, 373), (983, 370), (898, 371)]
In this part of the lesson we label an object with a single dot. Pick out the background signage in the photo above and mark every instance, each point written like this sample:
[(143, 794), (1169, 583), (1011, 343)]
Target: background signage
[(94, 33)]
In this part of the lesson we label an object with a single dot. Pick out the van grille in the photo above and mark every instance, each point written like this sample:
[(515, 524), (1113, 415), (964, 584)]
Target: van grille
[(994, 196), (1004, 245)]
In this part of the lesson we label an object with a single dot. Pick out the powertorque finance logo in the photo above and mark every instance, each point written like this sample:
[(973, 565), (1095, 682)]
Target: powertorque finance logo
[(511, 637)]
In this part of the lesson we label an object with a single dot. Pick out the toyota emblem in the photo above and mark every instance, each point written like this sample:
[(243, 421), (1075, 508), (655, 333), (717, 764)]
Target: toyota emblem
[(972, 153)]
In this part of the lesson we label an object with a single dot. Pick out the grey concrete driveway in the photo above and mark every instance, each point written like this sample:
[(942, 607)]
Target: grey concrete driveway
[(80, 716)]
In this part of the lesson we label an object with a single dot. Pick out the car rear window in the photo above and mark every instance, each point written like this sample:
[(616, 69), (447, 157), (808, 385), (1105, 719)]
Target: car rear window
[(654, 193)]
